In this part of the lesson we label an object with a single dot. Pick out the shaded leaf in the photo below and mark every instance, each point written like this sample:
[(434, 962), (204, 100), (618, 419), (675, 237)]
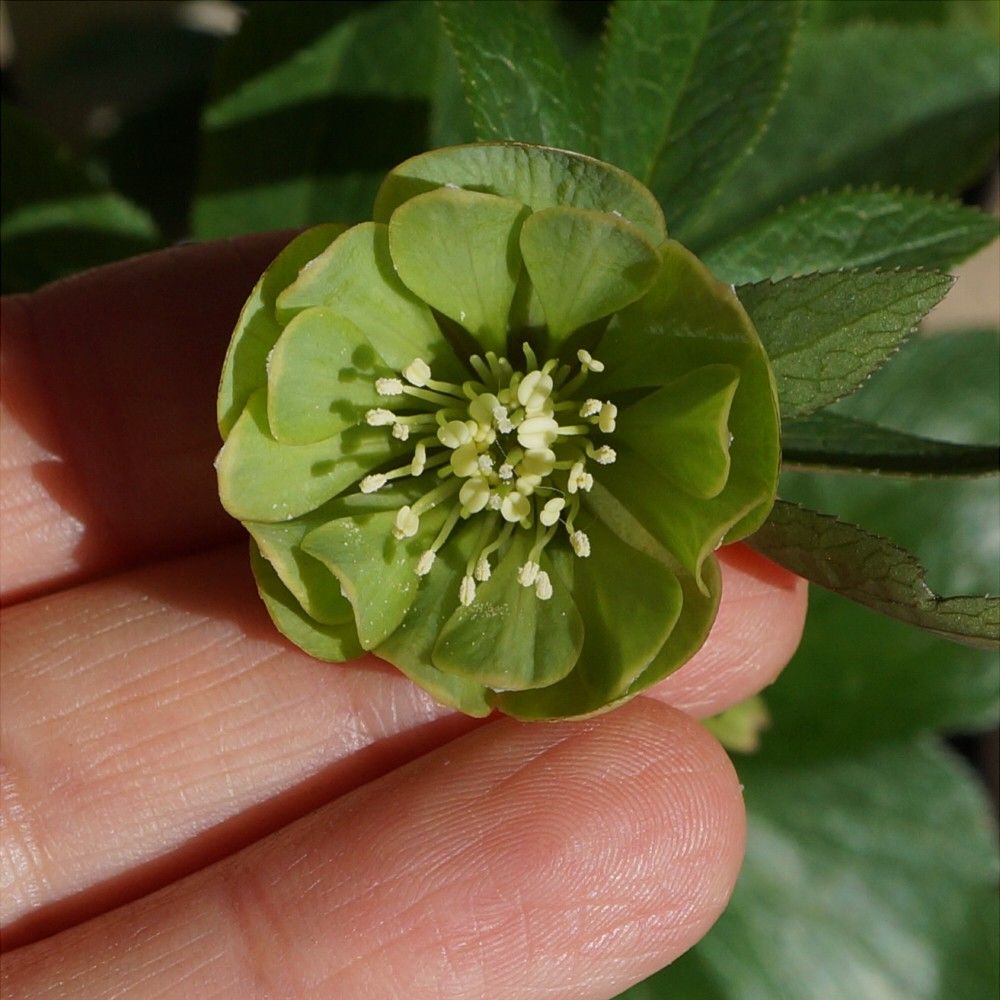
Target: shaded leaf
[(853, 229), (516, 81), (832, 441), (914, 106), (826, 333), (288, 136), (56, 217), (739, 728), (874, 572), (687, 90), (869, 874)]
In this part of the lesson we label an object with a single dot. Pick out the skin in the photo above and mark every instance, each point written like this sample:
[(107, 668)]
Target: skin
[(192, 807)]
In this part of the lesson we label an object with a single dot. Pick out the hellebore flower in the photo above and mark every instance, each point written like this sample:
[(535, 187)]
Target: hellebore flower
[(496, 435)]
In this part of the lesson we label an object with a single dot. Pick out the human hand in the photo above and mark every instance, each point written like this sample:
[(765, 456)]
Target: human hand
[(193, 807)]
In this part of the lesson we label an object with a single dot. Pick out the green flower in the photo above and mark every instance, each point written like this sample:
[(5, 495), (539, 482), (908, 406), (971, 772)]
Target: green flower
[(496, 435)]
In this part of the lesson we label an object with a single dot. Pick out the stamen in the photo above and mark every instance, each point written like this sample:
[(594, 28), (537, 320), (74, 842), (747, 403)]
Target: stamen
[(467, 591), (580, 543), (389, 387), (515, 507), (579, 479), (400, 431), (528, 573), (483, 571), (506, 471), (380, 417), (454, 434), (606, 418), (603, 455), (537, 432), (426, 562), (529, 355), (417, 372), (589, 362), (480, 368), (407, 523), (591, 408), (543, 586), (435, 496), (374, 482), (551, 511), (473, 496)]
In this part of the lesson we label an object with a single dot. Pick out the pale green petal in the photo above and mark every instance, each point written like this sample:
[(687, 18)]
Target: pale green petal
[(629, 601), (244, 370), (698, 611), (355, 277), (536, 176), (683, 429), (689, 319), (261, 479), (335, 643), (584, 265), (508, 638), (377, 571), (409, 648), (458, 251), (321, 377)]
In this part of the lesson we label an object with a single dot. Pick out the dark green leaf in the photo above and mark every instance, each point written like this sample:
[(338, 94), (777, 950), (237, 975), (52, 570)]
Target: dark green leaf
[(831, 441), (898, 11), (867, 875), (516, 81), (826, 333), (56, 218), (872, 571), (914, 106), (853, 229), (311, 107), (688, 88)]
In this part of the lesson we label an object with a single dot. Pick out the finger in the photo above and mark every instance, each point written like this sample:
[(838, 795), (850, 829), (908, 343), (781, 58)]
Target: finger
[(108, 429), (758, 629), (156, 722), (520, 861)]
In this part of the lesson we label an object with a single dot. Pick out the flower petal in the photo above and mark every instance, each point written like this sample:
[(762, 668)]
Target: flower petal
[(261, 479), (409, 647), (355, 278), (244, 370), (536, 176), (698, 610), (377, 571), (584, 265), (321, 377), (689, 319), (683, 428), (335, 643), (508, 638), (458, 251), (630, 601)]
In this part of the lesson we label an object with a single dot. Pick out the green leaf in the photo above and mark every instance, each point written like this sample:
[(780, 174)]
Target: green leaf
[(913, 106), (826, 333), (616, 583), (516, 82), (335, 643), (874, 572), (457, 250), (693, 409), (584, 265), (355, 277), (892, 680), (508, 638), (687, 90), (56, 217), (244, 370), (869, 874), (288, 138), (263, 480), (377, 571), (853, 229), (537, 177), (831, 441)]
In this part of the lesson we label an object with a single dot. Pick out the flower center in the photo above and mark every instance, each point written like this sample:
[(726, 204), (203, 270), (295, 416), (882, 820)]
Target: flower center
[(513, 445)]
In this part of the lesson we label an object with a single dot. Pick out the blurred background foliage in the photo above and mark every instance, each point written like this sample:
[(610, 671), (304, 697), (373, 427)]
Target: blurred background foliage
[(871, 867)]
